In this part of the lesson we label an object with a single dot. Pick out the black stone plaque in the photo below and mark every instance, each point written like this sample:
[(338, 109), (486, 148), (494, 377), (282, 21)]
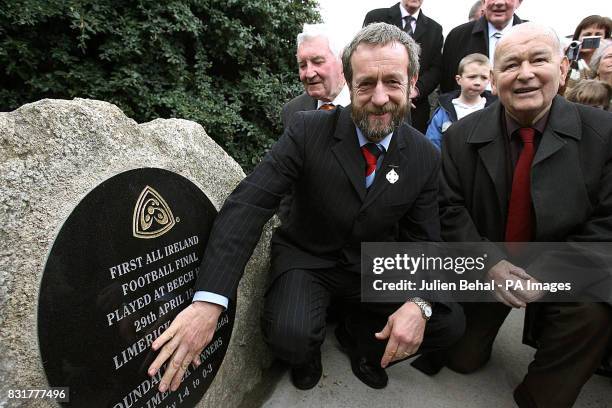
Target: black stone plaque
[(121, 268)]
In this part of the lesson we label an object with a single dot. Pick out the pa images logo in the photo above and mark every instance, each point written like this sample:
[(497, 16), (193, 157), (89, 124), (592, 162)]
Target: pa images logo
[(152, 215)]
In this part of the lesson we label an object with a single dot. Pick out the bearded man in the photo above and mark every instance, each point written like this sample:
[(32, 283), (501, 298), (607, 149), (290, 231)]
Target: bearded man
[(358, 174)]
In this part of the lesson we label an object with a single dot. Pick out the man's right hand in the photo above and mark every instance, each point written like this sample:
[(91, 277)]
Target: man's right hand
[(505, 271), (190, 331)]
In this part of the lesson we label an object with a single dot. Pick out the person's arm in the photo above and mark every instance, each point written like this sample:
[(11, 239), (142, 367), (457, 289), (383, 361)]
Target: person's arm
[(203, 296), (235, 233), (434, 129)]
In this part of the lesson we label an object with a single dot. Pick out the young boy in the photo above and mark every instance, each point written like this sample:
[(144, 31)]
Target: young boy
[(473, 77)]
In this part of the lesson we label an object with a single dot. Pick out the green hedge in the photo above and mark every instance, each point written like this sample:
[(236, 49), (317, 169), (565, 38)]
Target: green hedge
[(228, 65)]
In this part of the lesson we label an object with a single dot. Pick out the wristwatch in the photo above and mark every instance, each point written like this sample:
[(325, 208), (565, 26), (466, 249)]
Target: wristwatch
[(426, 310)]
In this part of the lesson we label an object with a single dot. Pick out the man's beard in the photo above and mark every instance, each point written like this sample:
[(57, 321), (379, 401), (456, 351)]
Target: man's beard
[(377, 131)]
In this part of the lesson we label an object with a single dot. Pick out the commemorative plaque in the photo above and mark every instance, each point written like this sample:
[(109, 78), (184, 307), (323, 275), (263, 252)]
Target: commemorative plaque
[(121, 268)]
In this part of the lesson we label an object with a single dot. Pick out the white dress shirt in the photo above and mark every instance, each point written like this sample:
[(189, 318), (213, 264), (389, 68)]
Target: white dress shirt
[(405, 13), (493, 40), (342, 99)]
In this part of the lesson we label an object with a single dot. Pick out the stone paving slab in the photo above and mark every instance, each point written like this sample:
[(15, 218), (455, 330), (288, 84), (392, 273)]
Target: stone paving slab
[(490, 387)]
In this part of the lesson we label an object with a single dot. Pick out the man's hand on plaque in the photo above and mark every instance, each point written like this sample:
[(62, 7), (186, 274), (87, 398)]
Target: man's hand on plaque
[(405, 329), (181, 344), (503, 272)]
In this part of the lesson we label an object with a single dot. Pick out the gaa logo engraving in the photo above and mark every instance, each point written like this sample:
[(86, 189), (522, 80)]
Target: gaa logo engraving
[(152, 215)]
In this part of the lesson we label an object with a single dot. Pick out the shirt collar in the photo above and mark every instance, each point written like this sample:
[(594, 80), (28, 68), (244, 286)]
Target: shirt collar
[(493, 29), (512, 125), (406, 13), (384, 142), (342, 99), (457, 102)]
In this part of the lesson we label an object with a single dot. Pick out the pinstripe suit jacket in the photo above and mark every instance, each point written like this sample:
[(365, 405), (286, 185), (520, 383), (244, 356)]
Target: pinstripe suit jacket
[(332, 213)]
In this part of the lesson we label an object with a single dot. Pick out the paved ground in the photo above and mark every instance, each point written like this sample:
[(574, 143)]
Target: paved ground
[(490, 387)]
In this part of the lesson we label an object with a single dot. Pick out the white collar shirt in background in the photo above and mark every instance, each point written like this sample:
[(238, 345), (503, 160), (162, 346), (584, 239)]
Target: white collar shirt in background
[(464, 110), (342, 99), (405, 13)]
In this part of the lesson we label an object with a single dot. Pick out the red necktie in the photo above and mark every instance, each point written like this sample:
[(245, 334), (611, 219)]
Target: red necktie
[(327, 106), (370, 152), (519, 227)]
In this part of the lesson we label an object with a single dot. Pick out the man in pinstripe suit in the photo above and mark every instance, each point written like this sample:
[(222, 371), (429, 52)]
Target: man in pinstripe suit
[(316, 253)]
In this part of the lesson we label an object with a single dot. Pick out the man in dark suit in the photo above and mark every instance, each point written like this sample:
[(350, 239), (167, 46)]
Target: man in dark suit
[(408, 16), (479, 36), (532, 167), (329, 158), (320, 70)]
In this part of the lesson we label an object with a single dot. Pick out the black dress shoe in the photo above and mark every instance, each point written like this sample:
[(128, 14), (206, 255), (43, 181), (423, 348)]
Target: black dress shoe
[(371, 374), (605, 369), (306, 376), (430, 363)]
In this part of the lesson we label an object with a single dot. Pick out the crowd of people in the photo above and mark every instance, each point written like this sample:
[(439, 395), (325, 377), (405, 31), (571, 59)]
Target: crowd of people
[(511, 154)]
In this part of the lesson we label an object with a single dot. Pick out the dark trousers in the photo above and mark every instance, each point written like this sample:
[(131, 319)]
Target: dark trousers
[(296, 303), (571, 339)]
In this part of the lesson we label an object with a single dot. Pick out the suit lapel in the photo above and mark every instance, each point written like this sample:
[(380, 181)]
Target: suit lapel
[(556, 170), (421, 27), (395, 16), (481, 27), (310, 103), (562, 121), (347, 152), (492, 152), (390, 160)]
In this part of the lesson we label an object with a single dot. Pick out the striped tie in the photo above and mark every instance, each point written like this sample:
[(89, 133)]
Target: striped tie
[(371, 152), (408, 25), (327, 106)]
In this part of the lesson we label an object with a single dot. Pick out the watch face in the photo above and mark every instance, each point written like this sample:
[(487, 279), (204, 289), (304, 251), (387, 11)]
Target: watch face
[(427, 311)]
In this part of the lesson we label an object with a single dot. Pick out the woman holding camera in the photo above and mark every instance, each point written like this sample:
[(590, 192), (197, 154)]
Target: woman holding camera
[(585, 41)]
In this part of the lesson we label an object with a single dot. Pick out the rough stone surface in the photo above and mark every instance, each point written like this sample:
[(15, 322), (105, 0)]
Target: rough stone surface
[(52, 153)]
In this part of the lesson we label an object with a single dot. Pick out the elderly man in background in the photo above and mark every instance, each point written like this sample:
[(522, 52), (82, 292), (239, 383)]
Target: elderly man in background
[(533, 167), (408, 16), (479, 36), (320, 69)]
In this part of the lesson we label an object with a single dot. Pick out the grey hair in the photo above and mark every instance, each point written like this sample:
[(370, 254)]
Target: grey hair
[(530, 26), (381, 34), (312, 31), (598, 55), (476, 8)]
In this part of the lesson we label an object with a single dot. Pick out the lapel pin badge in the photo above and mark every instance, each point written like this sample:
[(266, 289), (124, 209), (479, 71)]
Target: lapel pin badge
[(392, 176)]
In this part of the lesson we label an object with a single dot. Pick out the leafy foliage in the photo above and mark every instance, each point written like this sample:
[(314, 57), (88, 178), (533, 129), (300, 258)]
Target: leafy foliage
[(227, 64)]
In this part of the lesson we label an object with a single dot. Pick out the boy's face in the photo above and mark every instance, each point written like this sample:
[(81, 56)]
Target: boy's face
[(474, 79)]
